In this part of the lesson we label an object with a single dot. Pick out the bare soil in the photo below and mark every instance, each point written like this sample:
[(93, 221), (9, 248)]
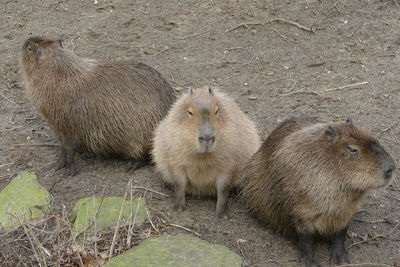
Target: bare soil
[(340, 60)]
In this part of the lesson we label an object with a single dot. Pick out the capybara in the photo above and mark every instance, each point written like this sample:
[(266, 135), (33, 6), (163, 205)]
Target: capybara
[(309, 177), (202, 144), (109, 108)]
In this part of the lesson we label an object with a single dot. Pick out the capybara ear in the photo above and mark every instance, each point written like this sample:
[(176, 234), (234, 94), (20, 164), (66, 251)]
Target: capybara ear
[(331, 133), (349, 121), (59, 42), (211, 91)]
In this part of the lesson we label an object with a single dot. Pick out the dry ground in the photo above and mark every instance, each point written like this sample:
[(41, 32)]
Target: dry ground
[(273, 68)]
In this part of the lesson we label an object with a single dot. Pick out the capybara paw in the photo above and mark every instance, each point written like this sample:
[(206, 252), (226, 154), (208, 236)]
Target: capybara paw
[(310, 260), (58, 165), (135, 164), (223, 213), (339, 257), (70, 171), (179, 206)]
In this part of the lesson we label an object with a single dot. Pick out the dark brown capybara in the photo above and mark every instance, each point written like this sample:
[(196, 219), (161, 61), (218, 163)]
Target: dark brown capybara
[(309, 178), (109, 108)]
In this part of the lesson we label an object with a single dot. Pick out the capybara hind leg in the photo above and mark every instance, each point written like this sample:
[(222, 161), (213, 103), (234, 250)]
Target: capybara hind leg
[(134, 164), (61, 159), (67, 161), (307, 251), (338, 249), (70, 166), (223, 186), (180, 191)]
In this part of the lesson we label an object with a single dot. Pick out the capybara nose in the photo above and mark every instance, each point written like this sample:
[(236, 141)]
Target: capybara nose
[(388, 173), (205, 139)]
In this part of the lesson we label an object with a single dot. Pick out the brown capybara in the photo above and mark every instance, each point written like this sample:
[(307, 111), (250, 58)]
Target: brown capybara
[(308, 178), (202, 144), (109, 108)]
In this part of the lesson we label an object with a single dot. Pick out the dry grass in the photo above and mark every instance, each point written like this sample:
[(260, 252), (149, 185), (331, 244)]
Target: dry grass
[(50, 243)]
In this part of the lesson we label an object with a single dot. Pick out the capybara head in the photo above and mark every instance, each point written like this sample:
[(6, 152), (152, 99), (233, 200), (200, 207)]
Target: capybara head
[(359, 155), (34, 48), (202, 117)]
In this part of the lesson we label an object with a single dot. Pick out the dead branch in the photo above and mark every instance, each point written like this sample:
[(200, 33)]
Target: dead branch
[(342, 87), (248, 24), (373, 238), (150, 190), (184, 228), (287, 39)]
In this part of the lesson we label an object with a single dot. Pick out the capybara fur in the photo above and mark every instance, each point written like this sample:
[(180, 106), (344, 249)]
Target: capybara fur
[(309, 177), (202, 144), (109, 108)]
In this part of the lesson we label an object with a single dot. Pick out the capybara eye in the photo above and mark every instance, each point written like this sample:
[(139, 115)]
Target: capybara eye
[(351, 149), (190, 113), (29, 48), (216, 110)]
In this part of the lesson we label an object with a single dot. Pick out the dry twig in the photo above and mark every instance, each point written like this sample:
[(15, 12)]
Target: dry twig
[(375, 237), (150, 190), (248, 24), (287, 39), (118, 222), (184, 228), (343, 87)]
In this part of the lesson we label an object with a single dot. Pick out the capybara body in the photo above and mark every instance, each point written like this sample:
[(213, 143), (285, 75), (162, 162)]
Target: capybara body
[(309, 177), (202, 144), (106, 107)]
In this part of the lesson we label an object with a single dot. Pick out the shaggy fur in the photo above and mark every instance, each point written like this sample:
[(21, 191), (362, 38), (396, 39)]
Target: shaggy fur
[(108, 107), (308, 178), (176, 145)]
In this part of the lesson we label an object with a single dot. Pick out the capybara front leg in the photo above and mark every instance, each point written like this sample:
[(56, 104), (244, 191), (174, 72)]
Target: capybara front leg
[(338, 250), (180, 191), (307, 250), (223, 186)]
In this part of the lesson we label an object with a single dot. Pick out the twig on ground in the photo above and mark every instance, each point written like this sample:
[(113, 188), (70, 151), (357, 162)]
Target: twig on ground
[(6, 98), (366, 221), (118, 222), (245, 25), (184, 228), (365, 264), (240, 249), (7, 176), (248, 24), (300, 91), (390, 127), (342, 87), (160, 212), (150, 190), (188, 36), (151, 221), (6, 164), (298, 25), (161, 51), (287, 39), (375, 237), (173, 79), (50, 145)]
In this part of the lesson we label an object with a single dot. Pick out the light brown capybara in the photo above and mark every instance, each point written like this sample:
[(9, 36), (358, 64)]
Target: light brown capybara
[(202, 144), (308, 178), (109, 108)]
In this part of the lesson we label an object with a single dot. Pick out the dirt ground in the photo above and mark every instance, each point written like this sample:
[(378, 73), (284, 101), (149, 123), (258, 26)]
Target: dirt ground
[(341, 60)]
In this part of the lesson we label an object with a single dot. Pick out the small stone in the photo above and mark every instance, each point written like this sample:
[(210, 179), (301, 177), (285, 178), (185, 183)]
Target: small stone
[(22, 201), (105, 212), (253, 97), (181, 250)]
